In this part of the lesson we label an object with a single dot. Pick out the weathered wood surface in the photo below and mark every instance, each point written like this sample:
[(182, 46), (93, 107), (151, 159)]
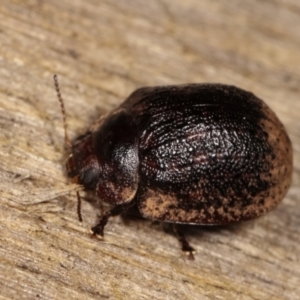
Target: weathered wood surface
[(102, 50)]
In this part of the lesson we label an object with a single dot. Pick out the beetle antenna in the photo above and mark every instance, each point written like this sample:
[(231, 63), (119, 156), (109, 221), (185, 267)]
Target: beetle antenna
[(79, 207), (62, 105)]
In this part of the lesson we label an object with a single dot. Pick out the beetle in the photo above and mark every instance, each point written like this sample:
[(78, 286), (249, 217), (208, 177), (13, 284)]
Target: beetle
[(204, 154)]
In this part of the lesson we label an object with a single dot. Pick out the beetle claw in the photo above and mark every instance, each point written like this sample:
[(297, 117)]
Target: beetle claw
[(189, 251), (97, 232)]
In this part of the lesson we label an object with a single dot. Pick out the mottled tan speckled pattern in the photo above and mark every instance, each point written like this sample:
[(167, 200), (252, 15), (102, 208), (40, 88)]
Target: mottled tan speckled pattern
[(281, 174), (159, 206)]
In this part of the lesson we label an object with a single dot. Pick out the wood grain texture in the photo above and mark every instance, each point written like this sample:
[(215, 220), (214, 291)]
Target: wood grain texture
[(102, 51)]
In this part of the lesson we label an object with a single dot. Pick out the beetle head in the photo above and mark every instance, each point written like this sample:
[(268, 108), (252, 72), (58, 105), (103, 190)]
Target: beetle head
[(82, 165), (105, 160)]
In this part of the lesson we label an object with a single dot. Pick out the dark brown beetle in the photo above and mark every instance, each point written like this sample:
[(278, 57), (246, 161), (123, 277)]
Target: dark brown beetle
[(202, 154)]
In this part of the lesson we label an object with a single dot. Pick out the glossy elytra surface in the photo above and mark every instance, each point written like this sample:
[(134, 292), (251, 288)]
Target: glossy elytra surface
[(195, 154)]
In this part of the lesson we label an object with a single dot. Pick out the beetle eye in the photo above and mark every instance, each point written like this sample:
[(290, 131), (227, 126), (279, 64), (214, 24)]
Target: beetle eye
[(89, 178)]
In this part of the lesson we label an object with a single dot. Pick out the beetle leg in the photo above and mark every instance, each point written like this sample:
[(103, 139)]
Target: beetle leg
[(185, 246), (98, 230)]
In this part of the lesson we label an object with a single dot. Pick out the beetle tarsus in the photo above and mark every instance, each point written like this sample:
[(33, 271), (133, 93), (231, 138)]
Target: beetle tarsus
[(185, 246), (98, 230), (189, 252)]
